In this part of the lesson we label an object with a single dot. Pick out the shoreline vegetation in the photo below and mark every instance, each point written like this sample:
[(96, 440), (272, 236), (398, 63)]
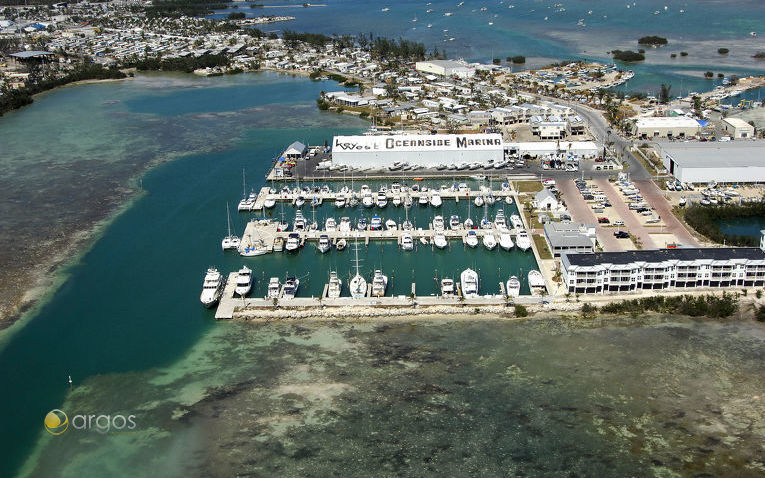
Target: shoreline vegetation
[(706, 221)]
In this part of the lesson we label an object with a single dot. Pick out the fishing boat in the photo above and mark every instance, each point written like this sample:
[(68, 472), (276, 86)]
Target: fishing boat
[(439, 240), (230, 241), (382, 199), (471, 238), (335, 286), (330, 225), (299, 223), (379, 284), (367, 200), (469, 282), (516, 221), (243, 281), (513, 287), (406, 242), (324, 245), (358, 284), (294, 241), (362, 224), (454, 222), (522, 240), (499, 220), (506, 241), (489, 241), (212, 287), (274, 288), (447, 287), (438, 223), (376, 224), (340, 244), (435, 200), (391, 225), (536, 279), (290, 287), (345, 224)]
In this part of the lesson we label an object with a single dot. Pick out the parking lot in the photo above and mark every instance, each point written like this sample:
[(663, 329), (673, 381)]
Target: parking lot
[(581, 211)]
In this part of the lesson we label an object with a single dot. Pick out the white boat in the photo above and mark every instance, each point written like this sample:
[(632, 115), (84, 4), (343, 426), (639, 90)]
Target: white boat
[(522, 240), (243, 281), (274, 288), (340, 244), (345, 224), (516, 221), (391, 225), (335, 286), (439, 239), (253, 249), (489, 241), (212, 287), (269, 202), (447, 287), (471, 239), (407, 225), (299, 224), (290, 287), (536, 279), (330, 225), (424, 240), (279, 244), (463, 189), (478, 201), (490, 200), (299, 201), (407, 242), (230, 241), (396, 200), (379, 284), (367, 200), (408, 201), (423, 200), (376, 224), (382, 199), (469, 282), (513, 287), (435, 200), (358, 284), (499, 220), (362, 224), (468, 223), (454, 222), (508, 199), (294, 242), (438, 223), (324, 245), (247, 202), (340, 201), (395, 188), (506, 241)]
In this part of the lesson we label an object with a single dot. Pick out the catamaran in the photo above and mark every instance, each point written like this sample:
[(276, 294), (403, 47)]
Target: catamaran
[(230, 241), (379, 284), (247, 202), (469, 282), (243, 281), (212, 287)]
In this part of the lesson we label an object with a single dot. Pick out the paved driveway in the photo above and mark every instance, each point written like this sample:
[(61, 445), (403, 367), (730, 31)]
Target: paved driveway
[(630, 219), (581, 211), (654, 196)]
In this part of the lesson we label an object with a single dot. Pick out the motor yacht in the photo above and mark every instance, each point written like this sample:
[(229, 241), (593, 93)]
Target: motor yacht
[(376, 224), (513, 287), (345, 224), (335, 286), (391, 225), (274, 288), (290, 287), (435, 200), (330, 225), (454, 222), (522, 240), (212, 287), (438, 223), (471, 238), (489, 241), (506, 241), (407, 242), (379, 284), (439, 239), (324, 245), (382, 199), (469, 283), (294, 241), (243, 281), (447, 287)]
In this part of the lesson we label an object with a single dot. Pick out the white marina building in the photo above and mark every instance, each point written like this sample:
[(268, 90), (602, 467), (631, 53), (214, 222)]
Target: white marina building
[(417, 150), (673, 269), (722, 162)]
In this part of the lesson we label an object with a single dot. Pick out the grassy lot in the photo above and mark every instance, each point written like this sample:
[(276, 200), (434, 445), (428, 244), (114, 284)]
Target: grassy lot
[(541, 243), (529, 186)]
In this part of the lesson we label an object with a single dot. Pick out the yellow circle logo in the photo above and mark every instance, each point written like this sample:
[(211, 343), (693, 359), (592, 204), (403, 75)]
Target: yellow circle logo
[(56, 422)]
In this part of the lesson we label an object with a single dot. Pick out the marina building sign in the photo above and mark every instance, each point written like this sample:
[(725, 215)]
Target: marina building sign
[(418, 143)]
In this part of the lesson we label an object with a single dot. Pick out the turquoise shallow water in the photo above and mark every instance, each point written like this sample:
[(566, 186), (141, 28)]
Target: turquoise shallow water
[(358, 399)]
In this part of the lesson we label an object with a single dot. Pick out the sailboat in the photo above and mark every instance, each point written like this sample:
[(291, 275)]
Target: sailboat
[(247, 202), (230, 241), (358, 284)]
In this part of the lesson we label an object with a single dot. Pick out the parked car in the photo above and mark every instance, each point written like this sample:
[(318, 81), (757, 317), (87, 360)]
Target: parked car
[(603, 220), (618, 223), (622, 235)]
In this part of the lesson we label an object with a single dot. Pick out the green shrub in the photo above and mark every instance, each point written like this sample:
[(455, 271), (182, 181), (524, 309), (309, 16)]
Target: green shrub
[(521, 311)]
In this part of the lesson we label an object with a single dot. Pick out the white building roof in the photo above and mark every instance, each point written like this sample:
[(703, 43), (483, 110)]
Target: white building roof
[(667, 122)]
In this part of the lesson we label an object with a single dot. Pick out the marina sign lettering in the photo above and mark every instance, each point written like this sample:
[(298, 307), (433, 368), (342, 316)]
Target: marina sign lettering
[(417, 142)]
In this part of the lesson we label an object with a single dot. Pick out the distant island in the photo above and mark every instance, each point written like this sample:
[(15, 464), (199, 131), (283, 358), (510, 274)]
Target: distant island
[(627, 55), (653, 40)]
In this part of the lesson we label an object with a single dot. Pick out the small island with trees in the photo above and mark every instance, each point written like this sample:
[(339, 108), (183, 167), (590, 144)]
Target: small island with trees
[(653, 40), (627, 55)]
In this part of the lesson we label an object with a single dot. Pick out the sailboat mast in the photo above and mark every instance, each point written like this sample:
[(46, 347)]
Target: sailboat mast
[(228, 219)]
